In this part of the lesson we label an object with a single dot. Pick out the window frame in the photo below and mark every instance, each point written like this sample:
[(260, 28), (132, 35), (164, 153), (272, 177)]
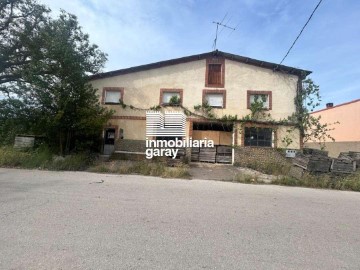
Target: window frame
[(112, 89), (272, 138), (255, 92), (212, 61), (208, 91), (170, 90)]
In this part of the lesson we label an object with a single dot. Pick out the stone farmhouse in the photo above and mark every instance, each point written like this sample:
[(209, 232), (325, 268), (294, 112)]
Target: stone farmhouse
[(217, 91)]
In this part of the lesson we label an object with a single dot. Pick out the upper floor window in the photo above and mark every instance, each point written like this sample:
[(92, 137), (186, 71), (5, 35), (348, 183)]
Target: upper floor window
[(171, 97), (113, 95), (215, 98), (262, 98), (215, 72)]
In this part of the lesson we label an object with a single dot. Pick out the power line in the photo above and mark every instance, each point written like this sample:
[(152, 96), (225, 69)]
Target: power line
[(301, 32)]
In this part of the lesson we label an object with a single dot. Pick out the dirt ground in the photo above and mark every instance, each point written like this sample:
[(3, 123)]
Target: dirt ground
[(224, 172)]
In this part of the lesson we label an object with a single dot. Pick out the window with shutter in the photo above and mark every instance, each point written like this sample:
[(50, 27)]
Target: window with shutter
[(214, 76), (215, 72), (112, 95), (214, 98)]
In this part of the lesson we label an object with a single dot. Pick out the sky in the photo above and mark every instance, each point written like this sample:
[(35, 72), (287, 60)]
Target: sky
[(137, 32)]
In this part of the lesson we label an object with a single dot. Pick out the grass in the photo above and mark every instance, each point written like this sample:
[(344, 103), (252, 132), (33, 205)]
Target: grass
[(42, 158), (273, 168), (328, 181), (247, 179), (141, 167)]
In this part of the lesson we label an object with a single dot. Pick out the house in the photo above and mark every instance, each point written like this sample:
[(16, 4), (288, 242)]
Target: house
[(223, 85), (345, 124)]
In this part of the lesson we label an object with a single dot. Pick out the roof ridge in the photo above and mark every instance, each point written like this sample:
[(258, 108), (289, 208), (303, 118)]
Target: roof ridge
[(247, 60)]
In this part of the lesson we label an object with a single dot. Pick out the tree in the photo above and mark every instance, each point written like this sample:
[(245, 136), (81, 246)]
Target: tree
[(311, 128), (48, 90)]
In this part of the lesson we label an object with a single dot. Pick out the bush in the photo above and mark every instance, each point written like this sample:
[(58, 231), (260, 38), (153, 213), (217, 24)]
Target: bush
[(329, 181), (42, 158)]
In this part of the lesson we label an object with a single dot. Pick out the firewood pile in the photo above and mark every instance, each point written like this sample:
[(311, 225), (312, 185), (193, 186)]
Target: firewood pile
[(317, 161)]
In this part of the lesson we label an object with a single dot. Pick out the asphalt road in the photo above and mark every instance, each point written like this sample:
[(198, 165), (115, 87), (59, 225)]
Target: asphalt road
[(67, 220)]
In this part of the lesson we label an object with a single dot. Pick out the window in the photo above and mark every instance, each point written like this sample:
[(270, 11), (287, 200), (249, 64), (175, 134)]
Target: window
[(258, 136), (214, 74), (260, 97), (112, 95), (215, 98), (215, 70), (171, 97)]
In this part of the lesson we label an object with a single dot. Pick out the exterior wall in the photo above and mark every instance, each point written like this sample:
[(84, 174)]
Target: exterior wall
[(335, 148), (348, 116), (280, 133), (142, 89)]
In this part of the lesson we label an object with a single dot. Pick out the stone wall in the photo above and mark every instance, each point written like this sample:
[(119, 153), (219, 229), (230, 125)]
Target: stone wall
[(249, 156)]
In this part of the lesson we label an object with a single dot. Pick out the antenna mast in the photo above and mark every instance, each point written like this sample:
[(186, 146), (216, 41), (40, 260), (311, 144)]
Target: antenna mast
[(217, 29)]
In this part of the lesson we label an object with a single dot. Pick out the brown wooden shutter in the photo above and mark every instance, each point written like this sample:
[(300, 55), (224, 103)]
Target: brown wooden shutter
[(214, 74)]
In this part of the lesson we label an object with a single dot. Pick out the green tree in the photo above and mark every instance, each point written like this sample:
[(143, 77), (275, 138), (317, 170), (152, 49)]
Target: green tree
[(49, 93), (311, 127)]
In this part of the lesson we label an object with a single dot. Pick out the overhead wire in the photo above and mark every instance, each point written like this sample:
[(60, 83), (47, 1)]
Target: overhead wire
[(301, 32)]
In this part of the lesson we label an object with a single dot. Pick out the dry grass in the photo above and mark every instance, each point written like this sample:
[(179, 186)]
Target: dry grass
[(328, 181), (142, 168)]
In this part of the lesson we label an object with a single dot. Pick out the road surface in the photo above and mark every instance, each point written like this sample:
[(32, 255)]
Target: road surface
[(79, 220)]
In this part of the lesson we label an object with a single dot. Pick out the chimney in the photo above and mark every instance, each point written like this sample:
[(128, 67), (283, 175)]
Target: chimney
[(329, 105)]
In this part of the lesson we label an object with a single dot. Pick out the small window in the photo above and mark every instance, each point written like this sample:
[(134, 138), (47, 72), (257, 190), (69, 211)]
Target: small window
[(258, 136), (260, 99), (215, 100), (215, 72), (214, 76), (112, 95), (171, 98), (263, 98)]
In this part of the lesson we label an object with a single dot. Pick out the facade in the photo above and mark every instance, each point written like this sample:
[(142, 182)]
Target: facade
[(346, 132), (225, 82)]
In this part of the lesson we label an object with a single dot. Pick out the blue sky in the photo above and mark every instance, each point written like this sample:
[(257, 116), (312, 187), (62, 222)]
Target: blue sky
[(136, 32)]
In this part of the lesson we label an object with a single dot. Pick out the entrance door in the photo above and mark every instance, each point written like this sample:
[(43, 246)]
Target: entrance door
[(109, 141)]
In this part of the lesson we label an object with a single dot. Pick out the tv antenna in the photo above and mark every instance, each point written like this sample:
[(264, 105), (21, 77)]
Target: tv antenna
[(217, 30)]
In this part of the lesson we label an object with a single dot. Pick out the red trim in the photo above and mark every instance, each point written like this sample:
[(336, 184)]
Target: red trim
[(171, 90), (215, 60), (343, 104), (255, 92), (217, 91), (112, 89)]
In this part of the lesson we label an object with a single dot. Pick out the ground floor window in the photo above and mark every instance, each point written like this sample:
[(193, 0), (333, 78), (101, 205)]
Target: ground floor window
[(258, 136)]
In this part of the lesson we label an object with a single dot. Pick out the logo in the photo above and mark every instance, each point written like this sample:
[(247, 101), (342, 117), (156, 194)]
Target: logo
[(167, 126)]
